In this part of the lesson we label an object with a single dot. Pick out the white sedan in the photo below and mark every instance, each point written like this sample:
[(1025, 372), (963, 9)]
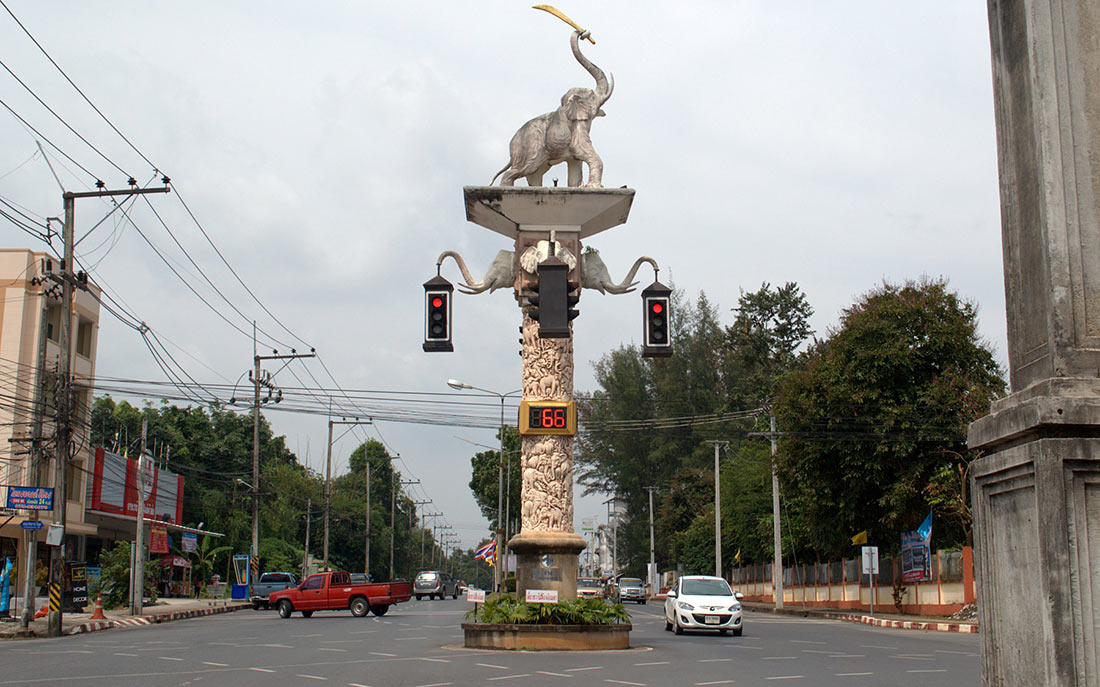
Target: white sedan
[(702, 602)]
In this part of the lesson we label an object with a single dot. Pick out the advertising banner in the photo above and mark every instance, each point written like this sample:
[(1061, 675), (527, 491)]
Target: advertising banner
[(114, 487), (189, 542), (30, 498), (158, 539), (916, 553)]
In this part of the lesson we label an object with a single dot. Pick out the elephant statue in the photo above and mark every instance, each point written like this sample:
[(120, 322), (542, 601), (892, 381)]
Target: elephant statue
[(561, 135), (594, 274), (501, 272)]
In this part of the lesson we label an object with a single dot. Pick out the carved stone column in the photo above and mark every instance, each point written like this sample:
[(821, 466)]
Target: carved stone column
[(1037, 491)]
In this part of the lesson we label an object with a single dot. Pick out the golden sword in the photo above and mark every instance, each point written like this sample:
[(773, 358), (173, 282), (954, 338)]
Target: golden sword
[(557, 13)]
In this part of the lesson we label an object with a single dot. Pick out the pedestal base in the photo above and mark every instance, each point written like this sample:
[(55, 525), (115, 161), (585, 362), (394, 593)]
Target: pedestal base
[(1035, 495), (547, 560)]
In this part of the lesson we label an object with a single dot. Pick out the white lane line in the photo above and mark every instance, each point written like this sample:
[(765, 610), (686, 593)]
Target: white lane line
[(362, 632), (624, 682), (786, 677), (262, 670), (406, 639), (436, 660), (312, 677), (169, 658), (577, 670), (330, 648), (804, 641), (958, 653), (211, 663), (847, 655), (875, 646), (914, 657), (778, 658), (714, 660), (940, 670), (852, 674), (546, 672), (716, 682), (380, 653), (510, 677), (436, 684), (653, 663), (356, 684), (315, 635), (817, 651), (490, 665), (134, 655)]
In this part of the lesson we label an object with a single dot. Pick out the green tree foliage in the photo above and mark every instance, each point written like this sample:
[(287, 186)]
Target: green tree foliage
[(877, 410), (485, 480), (114, 580)]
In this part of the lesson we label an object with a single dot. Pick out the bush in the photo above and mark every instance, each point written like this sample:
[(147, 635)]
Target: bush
[(510, 610), (114, 581)]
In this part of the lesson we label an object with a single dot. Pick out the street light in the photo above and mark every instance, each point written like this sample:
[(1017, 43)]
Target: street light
[(455, 384)]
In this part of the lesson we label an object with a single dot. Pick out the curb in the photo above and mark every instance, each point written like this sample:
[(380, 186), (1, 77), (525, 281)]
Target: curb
[(969, 628), (152, 619)]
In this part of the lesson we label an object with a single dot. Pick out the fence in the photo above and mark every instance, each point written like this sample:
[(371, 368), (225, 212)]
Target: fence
[(840, 585)]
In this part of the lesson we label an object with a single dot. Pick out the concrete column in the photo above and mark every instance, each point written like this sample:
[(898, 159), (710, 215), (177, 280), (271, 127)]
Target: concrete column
[(1037, 562)]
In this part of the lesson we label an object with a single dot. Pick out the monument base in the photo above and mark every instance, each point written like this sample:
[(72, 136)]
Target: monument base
[(1035, 494), (546, 637), (547, 560)]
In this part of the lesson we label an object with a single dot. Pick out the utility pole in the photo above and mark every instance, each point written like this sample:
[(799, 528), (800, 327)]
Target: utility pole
[(137, 571), (393, 504), (652, 551), (424, 529), (717, 510), (258, 380), (305, 556), (63, 433), (328, 484), (367, 534), (414, 505), (777, 541), (443, 551)]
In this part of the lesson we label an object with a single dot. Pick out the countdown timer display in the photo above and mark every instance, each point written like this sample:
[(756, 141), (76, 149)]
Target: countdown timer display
[(547, 417)]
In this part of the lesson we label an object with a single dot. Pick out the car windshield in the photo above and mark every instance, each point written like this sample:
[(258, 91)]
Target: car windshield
[(426, 576), (706, 588), (630, 582), (588, 583)]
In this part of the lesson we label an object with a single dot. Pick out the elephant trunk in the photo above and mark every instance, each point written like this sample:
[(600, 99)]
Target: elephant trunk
[(604, 87)]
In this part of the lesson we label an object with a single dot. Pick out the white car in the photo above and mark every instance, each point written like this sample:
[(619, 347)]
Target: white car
[(703, 602)]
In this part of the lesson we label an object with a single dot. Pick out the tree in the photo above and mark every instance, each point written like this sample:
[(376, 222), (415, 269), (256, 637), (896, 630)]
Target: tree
[(485, 479), (877, 409)]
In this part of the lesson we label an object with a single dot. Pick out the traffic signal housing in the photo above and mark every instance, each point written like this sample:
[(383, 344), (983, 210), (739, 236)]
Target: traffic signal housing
[(656, 339), (550, 300), (437, 315)]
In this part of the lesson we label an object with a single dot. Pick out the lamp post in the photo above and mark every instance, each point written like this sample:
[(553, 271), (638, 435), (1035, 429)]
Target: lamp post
[(455, 384)]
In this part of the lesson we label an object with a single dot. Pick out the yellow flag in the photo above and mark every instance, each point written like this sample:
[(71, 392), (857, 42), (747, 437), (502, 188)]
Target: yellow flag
[(860, 538), (737, 557)]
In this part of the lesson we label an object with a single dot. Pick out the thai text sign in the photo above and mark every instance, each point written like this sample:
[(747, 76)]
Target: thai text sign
[(542, 596), (477, 596), (158, 538), (189, 542), (30, 498)]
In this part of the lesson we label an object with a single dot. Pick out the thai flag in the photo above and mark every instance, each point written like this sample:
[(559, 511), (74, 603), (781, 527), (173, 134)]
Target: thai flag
[(487, 552)]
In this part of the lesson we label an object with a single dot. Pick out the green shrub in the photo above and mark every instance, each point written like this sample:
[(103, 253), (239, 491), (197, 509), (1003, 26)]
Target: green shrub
[(509, 610), (114, 581)]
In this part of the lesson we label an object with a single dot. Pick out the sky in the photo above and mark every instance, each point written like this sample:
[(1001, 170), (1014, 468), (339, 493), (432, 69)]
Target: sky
[(323, 148)]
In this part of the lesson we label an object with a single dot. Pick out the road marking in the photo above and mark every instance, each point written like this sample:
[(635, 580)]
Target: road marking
[(406, 639), (959, 653), (577, 670), (262, 670), (134, 655), (169, 658), (211, 663), (510, 677), (777, 658), (874, 646), (356, 684), (714, 660), (915, 657), (716, 682), (436, 684), (804, 641), (653, 663), (490, 665), (316, 635), (852, 674), (817, 651), (312, 677), (847, 655), (330, 648), (786, 677), (380, 653), (436, 660), (623, 682), (544, 672), (940, 670), (362, 632)]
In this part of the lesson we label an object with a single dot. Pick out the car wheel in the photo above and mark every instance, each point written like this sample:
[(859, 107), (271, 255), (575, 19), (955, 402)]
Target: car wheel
[(419, 597), (737, 631), (677, 629), (359, 607), (668, 625), (307, 614), (255, 605), (642, 602), (285, 609), (454, 594), (379, 609)]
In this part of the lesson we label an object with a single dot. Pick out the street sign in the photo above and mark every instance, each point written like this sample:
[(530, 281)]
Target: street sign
[(476, 596), (542, 596), (870, 560), (30, 498), (31, 524)]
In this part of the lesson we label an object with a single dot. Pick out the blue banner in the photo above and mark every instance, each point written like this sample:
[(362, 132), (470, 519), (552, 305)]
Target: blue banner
[(5, 599), (30, 498)]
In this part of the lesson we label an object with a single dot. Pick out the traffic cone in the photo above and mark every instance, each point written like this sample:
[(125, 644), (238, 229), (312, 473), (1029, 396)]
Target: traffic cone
[(98, 614), (42, 612)]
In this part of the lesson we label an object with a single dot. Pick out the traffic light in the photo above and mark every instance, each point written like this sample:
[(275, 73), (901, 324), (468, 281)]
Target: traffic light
[(656, 342), (437, 320), (551, 300)]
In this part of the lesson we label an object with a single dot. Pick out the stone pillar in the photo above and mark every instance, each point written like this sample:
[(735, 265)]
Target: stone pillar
[(1037, 559), (546, 547)]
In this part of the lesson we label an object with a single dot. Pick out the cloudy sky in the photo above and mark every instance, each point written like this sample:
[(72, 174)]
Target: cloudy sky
[(324, 146)]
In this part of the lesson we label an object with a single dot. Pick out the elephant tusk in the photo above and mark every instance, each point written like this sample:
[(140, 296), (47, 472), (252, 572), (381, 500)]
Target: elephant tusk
[(470, 286), (627, 285)]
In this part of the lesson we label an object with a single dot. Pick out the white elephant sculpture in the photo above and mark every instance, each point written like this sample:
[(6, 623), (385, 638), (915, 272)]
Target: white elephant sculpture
[(501, 272), (562, 135), (594, 274)]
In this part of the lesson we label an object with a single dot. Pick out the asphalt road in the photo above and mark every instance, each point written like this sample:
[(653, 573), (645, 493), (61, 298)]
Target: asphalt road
[(419, 644)]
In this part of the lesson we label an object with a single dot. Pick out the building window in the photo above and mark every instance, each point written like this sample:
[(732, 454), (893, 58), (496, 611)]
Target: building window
[(53, 322), (84, 338)]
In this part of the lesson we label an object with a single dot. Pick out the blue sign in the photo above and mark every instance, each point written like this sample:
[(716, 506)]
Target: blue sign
[(31, 524), (30, 498)]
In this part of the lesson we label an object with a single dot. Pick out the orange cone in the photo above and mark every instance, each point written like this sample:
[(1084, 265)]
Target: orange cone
[(98, 614), (42, 612)]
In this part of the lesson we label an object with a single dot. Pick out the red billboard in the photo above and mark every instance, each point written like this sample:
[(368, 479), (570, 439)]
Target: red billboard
[(114, 489)]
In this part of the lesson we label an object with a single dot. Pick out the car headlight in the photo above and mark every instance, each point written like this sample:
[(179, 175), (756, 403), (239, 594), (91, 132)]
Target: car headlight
[(683, 605), (735, 607)]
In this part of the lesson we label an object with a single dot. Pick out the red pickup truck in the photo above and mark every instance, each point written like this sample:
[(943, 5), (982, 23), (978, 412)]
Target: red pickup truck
[(334, 591)]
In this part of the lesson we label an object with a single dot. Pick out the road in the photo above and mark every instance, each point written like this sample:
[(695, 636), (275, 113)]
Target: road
[(419, 644)]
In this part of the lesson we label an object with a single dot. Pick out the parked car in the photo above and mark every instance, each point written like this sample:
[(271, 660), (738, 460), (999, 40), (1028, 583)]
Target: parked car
[(589, 588), (703, 602), (268, 583), (333, 591), (631, 589), (434, 583)]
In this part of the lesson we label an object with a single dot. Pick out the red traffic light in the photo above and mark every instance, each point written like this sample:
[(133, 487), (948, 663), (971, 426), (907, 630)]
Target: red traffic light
[(657, 308), (437, 302)]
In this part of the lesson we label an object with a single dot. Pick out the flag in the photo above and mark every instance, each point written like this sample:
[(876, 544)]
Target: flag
[(925, 529), (737, 557), (487, 552), (860, 538)]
